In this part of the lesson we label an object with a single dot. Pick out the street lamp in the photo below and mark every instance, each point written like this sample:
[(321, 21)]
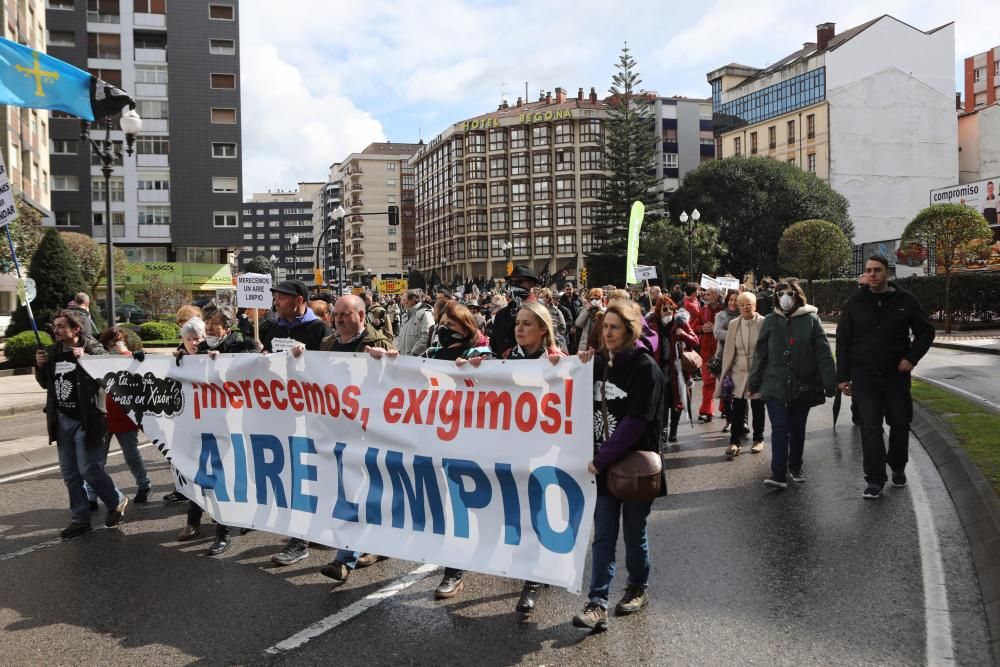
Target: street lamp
[(295, 255), (131, 125), (695, 216)]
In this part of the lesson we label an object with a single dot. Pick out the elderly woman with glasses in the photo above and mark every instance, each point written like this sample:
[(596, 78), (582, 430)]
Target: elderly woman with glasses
[(792, 370)]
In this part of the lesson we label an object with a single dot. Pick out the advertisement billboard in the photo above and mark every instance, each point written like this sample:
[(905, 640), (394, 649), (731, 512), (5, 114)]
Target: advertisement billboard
[(982, 196)]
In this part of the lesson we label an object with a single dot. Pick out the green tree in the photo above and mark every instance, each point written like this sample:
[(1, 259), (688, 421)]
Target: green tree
[(951, 229), (92, 258), (260, 264), (668, 247), (814, 249), (752, 200), (57, 277), (26, 231), (630, 154)]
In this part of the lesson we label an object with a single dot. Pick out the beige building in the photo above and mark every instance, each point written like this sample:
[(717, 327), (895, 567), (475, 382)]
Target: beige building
[(25, 132), (372, 181), (521, 183), (279, 224)]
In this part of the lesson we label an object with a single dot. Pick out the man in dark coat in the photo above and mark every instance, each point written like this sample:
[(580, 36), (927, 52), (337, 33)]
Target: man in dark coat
[(521, 280)]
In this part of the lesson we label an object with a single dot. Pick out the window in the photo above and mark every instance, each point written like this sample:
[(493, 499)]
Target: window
[(670, 160), (222, 47), (541, 163), (587, 241), (498, 140), (565, 215), (221, 12), (590, 130), (791, 132), (518, 137), (812, 162), (475, 168), (226, 150), (543, 216), (772, 137), (227, 184), (65, 183), (223, 116), (65, 5), (797, 92), (791, 160), (224, 218), (392, 247), (117, 218), (753, 143), (223, 81), (542, 189), (151, 74), (588, 213), (498, 193), (150, 6), (566, 188), (543, 245), (162, 184), (591, 159), (519, 217), (153, 109), (564, 160), (475, 142), (978, 74), (63, 147), (117, 189), (62, 37), (103, 11), (477, 195), (519, 164), (105, 45), (591, 187), (564, 133), (540, 135), (736, 146), (811, 126), (520, 246), (498, 220), (67, 218), (154, 215), (498, 167), (519, 191), (390, 166), (566, 243), (152, 145)]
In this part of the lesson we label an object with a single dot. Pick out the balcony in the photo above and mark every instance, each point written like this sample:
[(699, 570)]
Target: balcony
[(355, 172), (357, 252), (357, 236), (357, 187), (154, 196), (150, 90), (102, 17), (356, 203), (150, 20), (154, 231), (118, 231), (151, 55), (152, 160)]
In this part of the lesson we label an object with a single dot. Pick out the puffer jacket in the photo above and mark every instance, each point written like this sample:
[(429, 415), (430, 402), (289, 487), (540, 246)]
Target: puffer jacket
[(94, 422), (414, 330), (792, 357)]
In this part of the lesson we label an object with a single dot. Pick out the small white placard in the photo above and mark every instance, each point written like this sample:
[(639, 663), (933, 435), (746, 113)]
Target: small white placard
[(282, 344), (253, 290)]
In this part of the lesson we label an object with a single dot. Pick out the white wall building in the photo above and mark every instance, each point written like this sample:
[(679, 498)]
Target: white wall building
[(979, 144)]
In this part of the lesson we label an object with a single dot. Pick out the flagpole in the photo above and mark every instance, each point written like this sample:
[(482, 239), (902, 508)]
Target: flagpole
[(27, 304)]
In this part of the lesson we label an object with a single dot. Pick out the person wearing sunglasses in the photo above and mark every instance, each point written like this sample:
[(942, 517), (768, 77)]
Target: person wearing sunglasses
[(792, 370)]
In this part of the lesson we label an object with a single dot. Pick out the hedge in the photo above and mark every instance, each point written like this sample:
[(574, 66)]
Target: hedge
[(158, 331), (20, 349), (974, 295)]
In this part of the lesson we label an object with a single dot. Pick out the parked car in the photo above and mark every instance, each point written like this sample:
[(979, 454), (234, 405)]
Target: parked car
[(130, 314)]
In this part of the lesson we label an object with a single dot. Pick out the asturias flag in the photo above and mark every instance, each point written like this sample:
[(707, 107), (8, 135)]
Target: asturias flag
[(32, 79)]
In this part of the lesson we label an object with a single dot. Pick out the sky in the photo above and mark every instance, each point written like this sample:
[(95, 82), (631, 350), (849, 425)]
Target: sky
[(326, 78)]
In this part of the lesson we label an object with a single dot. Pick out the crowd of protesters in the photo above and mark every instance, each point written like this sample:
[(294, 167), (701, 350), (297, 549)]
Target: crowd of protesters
[(659, 359)]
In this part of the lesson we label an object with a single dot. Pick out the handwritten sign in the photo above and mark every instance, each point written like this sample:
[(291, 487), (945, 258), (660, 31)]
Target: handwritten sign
[(728, 283), (8, 211), (645, 272), (708, 282), (253, 290)]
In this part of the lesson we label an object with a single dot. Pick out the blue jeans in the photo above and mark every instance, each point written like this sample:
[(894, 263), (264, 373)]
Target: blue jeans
[(632, 515), (348, 558), (78, 464), (129, 443), (788, 435)]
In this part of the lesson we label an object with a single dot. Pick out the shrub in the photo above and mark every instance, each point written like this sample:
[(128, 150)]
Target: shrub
[(20, 349), (158, 331), (57, 278)]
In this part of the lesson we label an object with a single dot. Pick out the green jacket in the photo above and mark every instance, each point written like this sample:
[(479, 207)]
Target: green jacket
[(792, 358), (371, 338)]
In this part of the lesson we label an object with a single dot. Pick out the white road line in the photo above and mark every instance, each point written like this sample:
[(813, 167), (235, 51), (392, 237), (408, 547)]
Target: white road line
[(41, 471), (937, 616), (347, 613), (959, 390), (27, 550)]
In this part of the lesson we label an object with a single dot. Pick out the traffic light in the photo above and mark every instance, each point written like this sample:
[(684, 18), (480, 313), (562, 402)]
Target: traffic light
[(393, 215), (583, 276)]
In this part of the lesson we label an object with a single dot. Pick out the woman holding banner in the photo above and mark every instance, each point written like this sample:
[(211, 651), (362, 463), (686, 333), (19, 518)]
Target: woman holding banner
[(628, 409), (221, 337)]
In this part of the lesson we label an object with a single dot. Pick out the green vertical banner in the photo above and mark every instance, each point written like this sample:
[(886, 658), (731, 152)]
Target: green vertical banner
[(634, 227)]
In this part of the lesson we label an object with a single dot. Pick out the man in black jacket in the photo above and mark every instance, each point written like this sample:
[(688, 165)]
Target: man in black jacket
[(521, 281), (874, 358)]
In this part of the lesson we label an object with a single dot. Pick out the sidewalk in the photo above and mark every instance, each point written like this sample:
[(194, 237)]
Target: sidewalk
[(985, 341), (20, 393)]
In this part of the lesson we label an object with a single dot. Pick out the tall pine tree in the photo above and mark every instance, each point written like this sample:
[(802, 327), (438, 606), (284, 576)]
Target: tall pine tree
[(630, 152)]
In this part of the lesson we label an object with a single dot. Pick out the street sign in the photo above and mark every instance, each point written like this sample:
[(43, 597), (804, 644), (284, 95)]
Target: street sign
[(391, 286), (8, 211), (253, 290), (26, 290)]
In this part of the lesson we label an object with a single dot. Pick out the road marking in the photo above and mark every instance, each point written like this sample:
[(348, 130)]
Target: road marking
[(959, 390), (937, 616), (41, 471), (347, 613), (27, 550)]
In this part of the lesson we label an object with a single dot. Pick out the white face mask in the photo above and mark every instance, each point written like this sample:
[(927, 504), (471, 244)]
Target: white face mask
[(212, 341), (786, 302), (667, 319), (542, 300), (595, 302)]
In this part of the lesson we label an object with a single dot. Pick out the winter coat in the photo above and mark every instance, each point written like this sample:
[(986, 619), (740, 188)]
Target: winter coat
[(89, 327), (379, 318), (737, 357), (93, 420), (874, 338), (677, 336), (584, 325), (792, 358), (371, 337), (559, 325), (720, 329), (709, 344), (233, 343), (414, 330)]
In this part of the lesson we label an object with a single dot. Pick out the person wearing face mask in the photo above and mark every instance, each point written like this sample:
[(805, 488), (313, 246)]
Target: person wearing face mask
[(737, 358), (557, 316), (719, 329), (221, 336), (521, 280), (192, 334), (589, 319), (792, 370), (675, 336)]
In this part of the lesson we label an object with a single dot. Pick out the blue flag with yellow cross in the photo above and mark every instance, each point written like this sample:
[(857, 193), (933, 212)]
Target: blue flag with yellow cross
[(30, 78)]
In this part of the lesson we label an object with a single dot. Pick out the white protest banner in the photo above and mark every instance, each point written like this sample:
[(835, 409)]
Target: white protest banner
[(728, 283), (8, 211), (708, 282), (645, 272), (481, 469), (253, 290)]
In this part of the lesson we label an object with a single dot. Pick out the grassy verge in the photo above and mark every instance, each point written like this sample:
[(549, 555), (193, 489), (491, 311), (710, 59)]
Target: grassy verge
[(975, 427)]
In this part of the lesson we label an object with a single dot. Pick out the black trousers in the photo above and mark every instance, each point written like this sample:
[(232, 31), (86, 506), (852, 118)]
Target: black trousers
[(739, 417), (883, 397), (194, 515)]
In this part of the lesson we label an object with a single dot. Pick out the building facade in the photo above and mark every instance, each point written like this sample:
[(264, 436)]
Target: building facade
[(326, 226), (871, 110), (522, 183), (686, 138), (372, 181), (196, 90), (982, 79), (279, 225), (979, 144)]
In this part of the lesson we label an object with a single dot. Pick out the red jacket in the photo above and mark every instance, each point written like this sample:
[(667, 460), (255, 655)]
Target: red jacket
[(118, 419), (708, 343)]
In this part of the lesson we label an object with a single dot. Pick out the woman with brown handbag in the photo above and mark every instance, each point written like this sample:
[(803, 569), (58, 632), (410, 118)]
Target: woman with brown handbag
[(628, 411)]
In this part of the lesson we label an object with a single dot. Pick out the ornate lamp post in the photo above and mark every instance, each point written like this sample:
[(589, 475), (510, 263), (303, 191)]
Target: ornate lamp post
[(131, 125), (695, 216), (294, 241)]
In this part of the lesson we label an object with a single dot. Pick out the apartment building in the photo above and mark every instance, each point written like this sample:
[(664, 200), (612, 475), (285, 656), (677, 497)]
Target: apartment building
[(871, 110), (982, 79), (686, 138), (279, 225)]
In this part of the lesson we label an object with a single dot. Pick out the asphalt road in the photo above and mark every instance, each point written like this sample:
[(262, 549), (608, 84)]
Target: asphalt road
[(811, 575), (975, 376)]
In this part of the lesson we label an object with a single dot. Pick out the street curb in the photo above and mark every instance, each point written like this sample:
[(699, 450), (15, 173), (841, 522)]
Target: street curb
[(947, 346), (978, 510), (22, 408), (10, 372)]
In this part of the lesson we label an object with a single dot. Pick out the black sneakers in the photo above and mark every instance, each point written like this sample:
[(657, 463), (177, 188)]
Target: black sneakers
[(293, 552), (797, 475), (173, 497), (635, 598), (593, 616), (75, 530), (898, 479), (776, 482), (142, 496), (115, 516), (336, 571), (872, 491)]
